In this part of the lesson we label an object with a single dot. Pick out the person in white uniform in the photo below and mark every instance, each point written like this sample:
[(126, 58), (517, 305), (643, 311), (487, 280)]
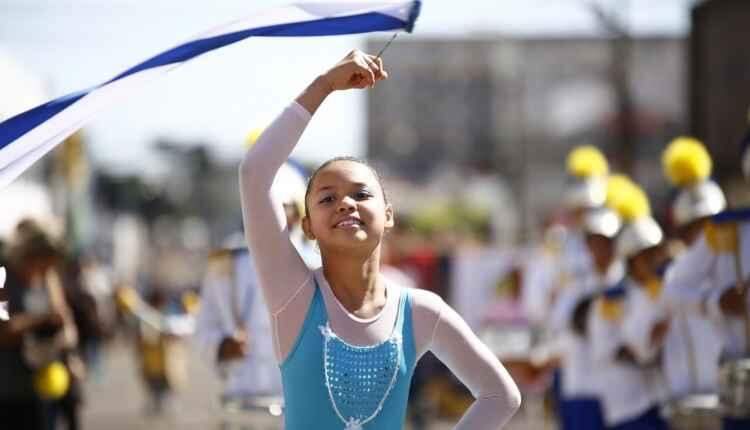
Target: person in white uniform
[(693, 344), (628, 391), (553, 275), (712, 280), (581, 409), (233, 327)]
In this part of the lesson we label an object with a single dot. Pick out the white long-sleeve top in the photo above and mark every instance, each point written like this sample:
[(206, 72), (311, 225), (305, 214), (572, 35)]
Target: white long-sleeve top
[(288, 286), (698, 279)]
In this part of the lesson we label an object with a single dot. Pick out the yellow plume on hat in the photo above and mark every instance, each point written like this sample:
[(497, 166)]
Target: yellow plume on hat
[(586, 161), (253, 136), (617, 186), (631, 203), (686, 162)]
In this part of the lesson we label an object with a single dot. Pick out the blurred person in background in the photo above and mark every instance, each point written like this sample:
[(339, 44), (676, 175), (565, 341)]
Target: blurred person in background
[(629, 381), (37, 343), (80, 292), (564, 273), (581, 407), (233, 328), (692, 346), (163, 321), (712, 281)]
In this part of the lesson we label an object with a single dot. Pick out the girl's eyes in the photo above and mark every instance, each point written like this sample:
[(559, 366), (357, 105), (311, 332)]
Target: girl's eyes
[(359, 195)]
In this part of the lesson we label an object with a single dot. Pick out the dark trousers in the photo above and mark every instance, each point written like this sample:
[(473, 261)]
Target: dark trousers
[(581, 414), (650, 420), (735, 424)]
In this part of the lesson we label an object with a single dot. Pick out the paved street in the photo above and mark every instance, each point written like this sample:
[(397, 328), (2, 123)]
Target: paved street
[(117, 401)]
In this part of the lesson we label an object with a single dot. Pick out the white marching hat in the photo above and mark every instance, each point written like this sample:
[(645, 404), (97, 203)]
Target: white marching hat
[(687, 165)]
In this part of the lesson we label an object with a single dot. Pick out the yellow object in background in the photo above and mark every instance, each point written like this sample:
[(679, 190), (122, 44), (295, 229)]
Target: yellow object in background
[(632, 203), (686, 162), (587, 161), (191, 302), (253, 136), (153, 356), (653, 289), (126, 298), (722, 238), (617, 187), (611, 309), (52, 381)]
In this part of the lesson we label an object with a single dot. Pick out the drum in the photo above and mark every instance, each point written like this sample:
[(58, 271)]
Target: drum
[(734, 388), (252, 413), (694, 412)]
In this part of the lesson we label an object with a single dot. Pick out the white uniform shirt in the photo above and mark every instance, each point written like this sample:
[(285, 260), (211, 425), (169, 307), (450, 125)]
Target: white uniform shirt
[(692, 350), (693, 344), (258, 373), (549, 275), (223, 299), (625, 389), (702, 276), (579, 371)]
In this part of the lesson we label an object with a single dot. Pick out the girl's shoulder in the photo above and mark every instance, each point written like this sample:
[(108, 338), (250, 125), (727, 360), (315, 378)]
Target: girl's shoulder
[(425, 303)]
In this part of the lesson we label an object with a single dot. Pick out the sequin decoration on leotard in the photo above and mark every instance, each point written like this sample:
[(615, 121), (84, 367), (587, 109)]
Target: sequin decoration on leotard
[(359, 378)]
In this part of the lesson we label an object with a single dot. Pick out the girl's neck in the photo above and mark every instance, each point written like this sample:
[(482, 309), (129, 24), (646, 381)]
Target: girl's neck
[(355, 281)]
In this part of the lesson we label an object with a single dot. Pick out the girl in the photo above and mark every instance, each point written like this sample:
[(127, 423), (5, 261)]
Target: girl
[(347, 339)]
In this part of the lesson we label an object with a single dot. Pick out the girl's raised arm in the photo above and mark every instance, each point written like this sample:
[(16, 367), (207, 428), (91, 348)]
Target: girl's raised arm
[(280, 268)]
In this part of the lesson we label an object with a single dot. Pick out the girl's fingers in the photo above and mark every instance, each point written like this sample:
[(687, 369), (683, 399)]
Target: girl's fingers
[(376, 63), (362, 62)]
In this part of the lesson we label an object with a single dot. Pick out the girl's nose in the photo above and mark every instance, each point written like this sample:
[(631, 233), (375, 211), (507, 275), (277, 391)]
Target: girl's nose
[(346, 204)]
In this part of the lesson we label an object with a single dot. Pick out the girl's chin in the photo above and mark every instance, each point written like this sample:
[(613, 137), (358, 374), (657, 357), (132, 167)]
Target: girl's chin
[(353, 240)]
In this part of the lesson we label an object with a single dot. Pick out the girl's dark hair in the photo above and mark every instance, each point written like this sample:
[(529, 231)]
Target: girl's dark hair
[(333, 160)]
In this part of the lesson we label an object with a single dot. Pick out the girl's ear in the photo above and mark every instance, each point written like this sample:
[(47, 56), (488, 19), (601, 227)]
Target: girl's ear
[(306, 228), (389, 218)]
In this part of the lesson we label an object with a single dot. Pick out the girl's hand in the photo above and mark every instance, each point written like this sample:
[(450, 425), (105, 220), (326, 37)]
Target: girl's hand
[(356, 70)]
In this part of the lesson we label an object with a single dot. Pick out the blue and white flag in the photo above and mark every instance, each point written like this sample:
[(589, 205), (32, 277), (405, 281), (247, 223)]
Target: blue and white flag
[(26, 137)]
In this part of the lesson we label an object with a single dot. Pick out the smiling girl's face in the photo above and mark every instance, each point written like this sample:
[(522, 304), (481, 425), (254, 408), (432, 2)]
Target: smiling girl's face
[(346, 207)]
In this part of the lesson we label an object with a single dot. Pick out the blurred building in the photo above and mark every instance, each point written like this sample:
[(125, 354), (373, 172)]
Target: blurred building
[(515, 107), (720, 80)]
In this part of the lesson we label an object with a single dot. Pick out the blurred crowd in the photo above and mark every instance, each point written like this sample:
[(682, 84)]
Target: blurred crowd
[(612, 321), (644, 325), (618, 318)]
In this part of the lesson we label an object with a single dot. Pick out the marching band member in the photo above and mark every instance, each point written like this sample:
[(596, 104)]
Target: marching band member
[(711, 280), (692, 345), (628, 396), (581, 407)]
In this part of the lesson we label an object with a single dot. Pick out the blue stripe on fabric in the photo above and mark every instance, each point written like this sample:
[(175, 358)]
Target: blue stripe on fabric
[(617, 291), (15, 127), (362, 23), (732, 215)]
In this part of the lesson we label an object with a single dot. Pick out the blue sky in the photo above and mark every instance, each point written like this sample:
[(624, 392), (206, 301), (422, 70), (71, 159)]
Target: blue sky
[(73, 44)]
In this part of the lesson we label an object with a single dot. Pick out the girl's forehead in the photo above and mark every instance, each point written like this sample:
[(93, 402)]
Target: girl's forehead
[(343, 172)]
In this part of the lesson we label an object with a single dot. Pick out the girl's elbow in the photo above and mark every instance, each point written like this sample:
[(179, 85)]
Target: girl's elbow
[(514, 398)]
